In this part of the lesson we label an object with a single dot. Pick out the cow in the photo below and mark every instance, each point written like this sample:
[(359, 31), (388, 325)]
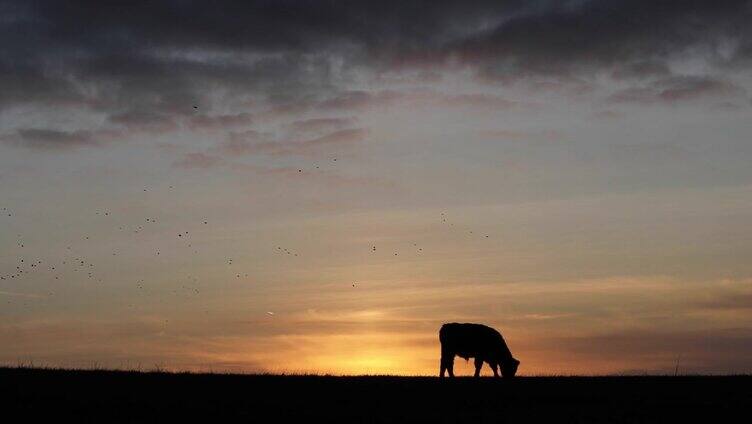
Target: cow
[(475, 341)]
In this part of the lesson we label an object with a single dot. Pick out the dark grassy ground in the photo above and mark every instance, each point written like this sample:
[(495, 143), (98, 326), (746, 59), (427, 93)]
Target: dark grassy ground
[(110, 396)]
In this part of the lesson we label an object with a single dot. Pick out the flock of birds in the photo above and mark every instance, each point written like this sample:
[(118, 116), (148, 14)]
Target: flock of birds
[(77, 263), (83, 267)]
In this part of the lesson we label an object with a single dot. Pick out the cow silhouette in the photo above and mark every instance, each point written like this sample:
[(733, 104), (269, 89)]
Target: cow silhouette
[(475, 341)]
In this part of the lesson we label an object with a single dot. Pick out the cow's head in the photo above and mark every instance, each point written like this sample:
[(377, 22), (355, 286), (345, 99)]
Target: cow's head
[(509, 367)]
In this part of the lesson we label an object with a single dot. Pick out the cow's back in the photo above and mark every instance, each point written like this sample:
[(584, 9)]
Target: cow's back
[(468, 340)]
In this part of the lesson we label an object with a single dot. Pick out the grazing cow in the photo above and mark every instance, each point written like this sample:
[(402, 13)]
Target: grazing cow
[(475, 341)]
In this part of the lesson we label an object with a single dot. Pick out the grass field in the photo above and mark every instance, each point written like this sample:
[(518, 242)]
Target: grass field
[(120, 396)]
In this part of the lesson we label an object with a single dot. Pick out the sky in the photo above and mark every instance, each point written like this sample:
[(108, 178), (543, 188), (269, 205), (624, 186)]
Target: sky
[(316, 186)]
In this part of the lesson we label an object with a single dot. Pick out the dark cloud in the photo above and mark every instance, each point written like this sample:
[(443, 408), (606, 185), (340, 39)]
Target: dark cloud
[(261, 26), (559, 38), (145, 65), (677, 89), (22, 83), (687, 88), (540, 36), (143, 120), (37, 138), (642, 70)]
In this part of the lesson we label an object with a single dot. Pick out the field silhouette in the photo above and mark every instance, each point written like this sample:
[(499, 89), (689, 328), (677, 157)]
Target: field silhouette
[(125, 396)]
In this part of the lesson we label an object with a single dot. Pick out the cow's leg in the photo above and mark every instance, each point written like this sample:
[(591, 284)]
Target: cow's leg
[(478, 365), (449, 364), (494, 367)]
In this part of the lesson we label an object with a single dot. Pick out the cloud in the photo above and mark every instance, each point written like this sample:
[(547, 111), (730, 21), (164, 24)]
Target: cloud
[(340, 138), (241, 143), (24, 83), (345, 136), (350, 100), (360, 100), (642, 70), (145, 66), (677, 89), (46, 139), (726, 106), (563, 38), (253, 142), (478, 100), (20, 294), (198, 160), (607, 114), (322, 124), (220, 121), (55, 51), (729, 301), (320, 177), (549, 135), (647, 152), (702, 351), (144, 121)]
